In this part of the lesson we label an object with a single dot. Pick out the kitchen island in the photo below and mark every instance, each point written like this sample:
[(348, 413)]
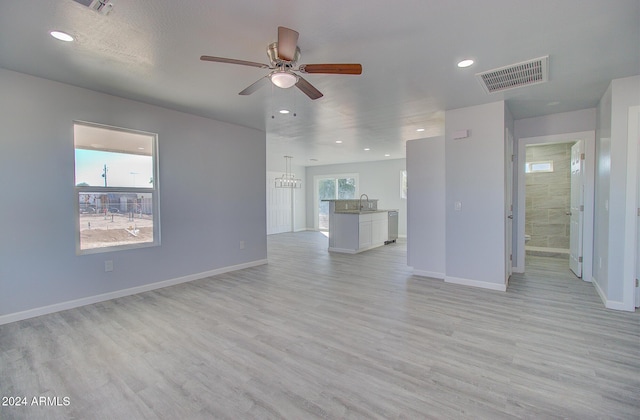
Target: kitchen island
[(356, 226)]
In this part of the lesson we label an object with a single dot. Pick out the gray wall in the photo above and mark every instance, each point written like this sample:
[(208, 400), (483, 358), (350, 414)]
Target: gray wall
[(548, 197), (614, 262), (218, 167), (425, 207), (475, 177), (380, 179), (560, 123)]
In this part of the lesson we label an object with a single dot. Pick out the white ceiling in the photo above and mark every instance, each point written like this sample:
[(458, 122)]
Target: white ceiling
[(149, 51)]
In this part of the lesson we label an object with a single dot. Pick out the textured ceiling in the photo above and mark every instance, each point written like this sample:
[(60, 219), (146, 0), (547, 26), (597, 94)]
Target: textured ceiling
[(149, 51)]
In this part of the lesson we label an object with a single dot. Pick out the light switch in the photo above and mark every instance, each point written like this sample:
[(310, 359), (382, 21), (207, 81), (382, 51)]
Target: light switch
[(457, 206)]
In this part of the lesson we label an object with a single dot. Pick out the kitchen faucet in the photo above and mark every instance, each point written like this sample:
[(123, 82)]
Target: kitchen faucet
[(364, 195)]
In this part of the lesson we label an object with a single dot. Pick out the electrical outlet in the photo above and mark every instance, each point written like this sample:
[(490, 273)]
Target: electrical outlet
[(241, 244), (108, 266)]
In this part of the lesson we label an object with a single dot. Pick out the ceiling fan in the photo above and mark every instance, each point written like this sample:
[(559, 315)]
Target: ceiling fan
[(283, 56)]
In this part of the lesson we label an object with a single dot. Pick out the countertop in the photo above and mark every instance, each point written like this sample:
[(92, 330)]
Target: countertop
[(363, 211)]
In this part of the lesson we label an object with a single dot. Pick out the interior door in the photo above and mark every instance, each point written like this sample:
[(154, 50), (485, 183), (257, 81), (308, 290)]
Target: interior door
[(508, 239), (279, 207), (576, 211), (638, 226)]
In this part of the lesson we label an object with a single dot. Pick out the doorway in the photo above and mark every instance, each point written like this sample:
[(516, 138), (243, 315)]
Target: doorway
[(331, 187), (553, 233), (553, 216)]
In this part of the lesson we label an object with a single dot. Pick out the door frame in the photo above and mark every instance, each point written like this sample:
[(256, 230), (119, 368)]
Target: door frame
[(509, 177), (589, 181), (630, 295), (576, 213)]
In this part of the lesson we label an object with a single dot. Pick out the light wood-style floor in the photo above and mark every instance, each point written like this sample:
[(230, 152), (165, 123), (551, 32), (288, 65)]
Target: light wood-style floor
[(319, 335)]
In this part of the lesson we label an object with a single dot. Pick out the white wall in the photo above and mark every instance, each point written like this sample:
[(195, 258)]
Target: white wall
[(380, 179), (614, 262), (475, 178), (425, 207), (212, 195)]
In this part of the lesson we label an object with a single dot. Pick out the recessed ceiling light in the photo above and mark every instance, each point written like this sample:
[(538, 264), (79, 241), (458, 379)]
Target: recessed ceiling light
[(140, 148), (554, 103), (284, 111), (465, 63), (366, 149), (387, 155), (62, 36), (420, 129), (339, 141)]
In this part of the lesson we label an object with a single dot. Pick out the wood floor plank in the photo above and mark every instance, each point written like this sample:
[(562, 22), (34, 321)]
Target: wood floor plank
[(320, 335)]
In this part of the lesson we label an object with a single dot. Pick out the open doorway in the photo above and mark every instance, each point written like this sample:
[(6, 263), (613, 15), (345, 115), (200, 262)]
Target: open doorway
[(555, 200), (552, 204), (331, 187)]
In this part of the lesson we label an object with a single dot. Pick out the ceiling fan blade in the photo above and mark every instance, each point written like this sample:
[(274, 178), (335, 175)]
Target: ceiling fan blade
[(331, 68), (308, 89), (287, 43), (255, 86), (233, 61)]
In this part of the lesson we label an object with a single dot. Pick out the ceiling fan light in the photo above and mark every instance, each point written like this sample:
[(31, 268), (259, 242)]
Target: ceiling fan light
[(283, 79)]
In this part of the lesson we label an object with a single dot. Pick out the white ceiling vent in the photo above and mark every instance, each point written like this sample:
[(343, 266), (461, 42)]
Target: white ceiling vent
[(515, 75), (100, 6)]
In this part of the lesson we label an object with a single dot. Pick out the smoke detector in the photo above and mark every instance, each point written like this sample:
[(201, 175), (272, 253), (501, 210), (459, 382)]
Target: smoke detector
[(101, 6), (517, 75)]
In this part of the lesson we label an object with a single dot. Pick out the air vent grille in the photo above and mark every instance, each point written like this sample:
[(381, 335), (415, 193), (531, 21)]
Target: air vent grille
[(100, 6), (516, 75)]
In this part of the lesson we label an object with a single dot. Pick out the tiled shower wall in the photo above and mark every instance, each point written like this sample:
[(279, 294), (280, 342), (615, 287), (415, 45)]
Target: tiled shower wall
[(548, 197)]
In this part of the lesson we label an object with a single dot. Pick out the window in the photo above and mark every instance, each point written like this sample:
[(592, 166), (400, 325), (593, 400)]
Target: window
[(403, 184), (116, 188), (543, 166), (332, 187)]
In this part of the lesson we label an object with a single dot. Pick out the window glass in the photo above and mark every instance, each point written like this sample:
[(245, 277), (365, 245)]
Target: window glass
[(116, 188), (544, 166)]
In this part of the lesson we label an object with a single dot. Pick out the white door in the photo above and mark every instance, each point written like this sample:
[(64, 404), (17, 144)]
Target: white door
[(638, 239), (577, 208), (508, 237), (638, 225), (279, 205)]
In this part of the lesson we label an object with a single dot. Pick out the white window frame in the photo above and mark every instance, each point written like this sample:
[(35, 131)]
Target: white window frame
[(154, 190)]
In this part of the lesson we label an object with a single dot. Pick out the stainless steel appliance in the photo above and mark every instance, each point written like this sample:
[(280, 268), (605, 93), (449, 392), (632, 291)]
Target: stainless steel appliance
[(393, 227)]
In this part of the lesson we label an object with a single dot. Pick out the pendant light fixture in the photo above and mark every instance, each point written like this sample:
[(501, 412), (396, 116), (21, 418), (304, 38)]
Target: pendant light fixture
[(288, 179)]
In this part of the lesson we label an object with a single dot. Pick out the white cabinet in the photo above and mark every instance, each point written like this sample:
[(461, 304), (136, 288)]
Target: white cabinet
[(364, 231), (356, 232)]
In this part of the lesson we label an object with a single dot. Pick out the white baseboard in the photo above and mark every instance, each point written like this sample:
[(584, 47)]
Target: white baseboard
[(63, 306), (343, 250), (609, 304), (476, 283), (430, 274)]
